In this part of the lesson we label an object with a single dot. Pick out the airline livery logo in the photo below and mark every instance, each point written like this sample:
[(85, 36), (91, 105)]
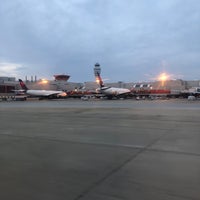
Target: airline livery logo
[(23, 85)]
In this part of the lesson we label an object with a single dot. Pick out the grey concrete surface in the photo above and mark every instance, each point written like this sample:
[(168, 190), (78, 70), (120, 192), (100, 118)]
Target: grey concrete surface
[(106, 150)]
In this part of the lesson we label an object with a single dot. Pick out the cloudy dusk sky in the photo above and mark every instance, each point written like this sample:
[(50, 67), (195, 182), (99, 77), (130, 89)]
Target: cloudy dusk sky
[(133, 40)]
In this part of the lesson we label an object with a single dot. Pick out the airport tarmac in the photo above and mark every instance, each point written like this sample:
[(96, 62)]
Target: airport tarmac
[(100, 150)]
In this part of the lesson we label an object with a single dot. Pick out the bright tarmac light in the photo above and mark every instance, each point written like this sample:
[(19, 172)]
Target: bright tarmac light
[(163, 77), (43, 81), (97, 81)]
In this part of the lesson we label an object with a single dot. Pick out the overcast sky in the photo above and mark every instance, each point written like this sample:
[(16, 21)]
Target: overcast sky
[(133, 40)]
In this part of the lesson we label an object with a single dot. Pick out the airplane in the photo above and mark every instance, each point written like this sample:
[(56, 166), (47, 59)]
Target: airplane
[(42, 93), (111, 92)]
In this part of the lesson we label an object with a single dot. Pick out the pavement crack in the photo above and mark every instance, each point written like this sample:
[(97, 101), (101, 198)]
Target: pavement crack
[(115, 170)]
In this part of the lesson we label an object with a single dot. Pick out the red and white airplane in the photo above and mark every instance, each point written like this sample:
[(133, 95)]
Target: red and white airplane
[(111, 92), (42, 93)]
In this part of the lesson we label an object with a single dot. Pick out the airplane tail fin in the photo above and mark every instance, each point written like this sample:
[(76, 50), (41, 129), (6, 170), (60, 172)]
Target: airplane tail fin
[(99, 80), (22, 84)]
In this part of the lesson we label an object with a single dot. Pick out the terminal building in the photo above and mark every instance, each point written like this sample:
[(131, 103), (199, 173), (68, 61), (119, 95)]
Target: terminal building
[(8, 85)]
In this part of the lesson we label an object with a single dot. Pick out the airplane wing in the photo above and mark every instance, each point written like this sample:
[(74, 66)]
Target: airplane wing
[(19, 91), (56, 93)]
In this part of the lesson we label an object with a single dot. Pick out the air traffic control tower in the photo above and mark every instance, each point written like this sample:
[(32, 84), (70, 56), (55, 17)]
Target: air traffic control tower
[(97, 69)]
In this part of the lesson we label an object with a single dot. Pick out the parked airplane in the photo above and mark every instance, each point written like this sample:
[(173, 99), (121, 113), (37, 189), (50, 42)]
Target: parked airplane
[(111, 92), (42, 93)]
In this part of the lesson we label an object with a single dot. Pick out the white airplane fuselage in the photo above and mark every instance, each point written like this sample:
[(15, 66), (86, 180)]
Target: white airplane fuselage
[(114, 91), (45, 93)]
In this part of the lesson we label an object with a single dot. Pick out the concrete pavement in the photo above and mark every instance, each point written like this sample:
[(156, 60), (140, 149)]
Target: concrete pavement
[(99, 152)]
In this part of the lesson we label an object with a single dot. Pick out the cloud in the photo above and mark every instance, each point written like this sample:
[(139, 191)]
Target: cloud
[(129, 38), (10, 69)]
